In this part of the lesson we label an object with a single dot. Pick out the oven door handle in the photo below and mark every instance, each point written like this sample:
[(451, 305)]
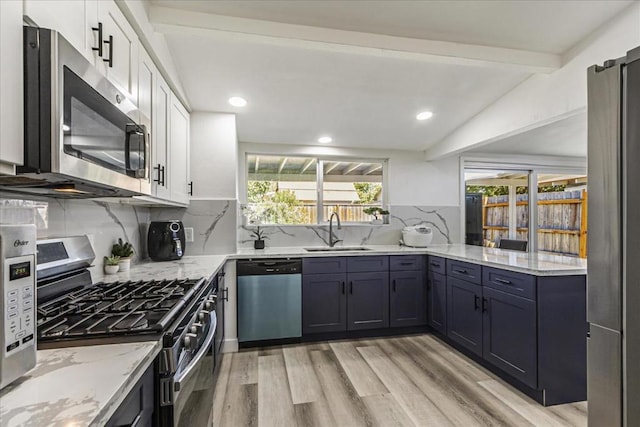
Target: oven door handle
[(202, 351)]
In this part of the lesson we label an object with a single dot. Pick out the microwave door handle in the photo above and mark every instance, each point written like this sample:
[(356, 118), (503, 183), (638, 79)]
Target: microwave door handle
[(202, 351)]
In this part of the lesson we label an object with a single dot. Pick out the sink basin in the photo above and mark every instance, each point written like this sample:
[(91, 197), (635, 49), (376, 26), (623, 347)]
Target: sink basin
[(337, 249)]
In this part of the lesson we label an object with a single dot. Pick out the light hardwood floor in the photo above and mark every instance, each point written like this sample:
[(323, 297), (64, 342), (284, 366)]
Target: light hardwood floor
[(402, 381)]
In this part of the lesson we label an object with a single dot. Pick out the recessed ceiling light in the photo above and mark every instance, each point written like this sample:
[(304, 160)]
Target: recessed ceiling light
[(325, 139), (424, 115), (236, 101)]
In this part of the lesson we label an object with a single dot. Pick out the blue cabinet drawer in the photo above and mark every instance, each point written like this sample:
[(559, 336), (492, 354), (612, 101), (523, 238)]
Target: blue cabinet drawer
[(365, 264), (406, 262), (465, 271), (337, 264), (437, 265), (510, 282)]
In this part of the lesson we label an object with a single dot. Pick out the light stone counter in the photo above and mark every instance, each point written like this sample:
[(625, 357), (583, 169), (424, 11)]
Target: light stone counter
[(539, 264), (75, 386), (191, 267)]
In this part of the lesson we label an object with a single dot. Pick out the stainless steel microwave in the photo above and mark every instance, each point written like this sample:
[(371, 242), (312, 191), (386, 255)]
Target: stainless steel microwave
[(83, 136)]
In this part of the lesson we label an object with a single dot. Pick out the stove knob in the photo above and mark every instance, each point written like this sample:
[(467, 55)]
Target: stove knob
[(203, 316), (196, 328), (209, 305), (190, 341)]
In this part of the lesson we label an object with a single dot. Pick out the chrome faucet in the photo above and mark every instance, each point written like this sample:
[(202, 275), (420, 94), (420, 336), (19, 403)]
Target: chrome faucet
[(332, 242)]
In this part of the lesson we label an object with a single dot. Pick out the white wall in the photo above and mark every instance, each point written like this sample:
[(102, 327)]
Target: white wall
[(411, 180), (214, 155), (545, 98)]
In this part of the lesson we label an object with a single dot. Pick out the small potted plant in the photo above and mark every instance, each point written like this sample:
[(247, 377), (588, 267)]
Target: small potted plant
[(385, 216), (375, 211), (123, 250), (259, 235), (111, 264)]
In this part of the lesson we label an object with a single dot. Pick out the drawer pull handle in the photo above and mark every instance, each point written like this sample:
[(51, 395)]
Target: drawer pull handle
[(503, 281), (406, 263), (461, 271), (342, 288), (484, 304), (351, 288), (394, 286), (476, 301), (435, 264)]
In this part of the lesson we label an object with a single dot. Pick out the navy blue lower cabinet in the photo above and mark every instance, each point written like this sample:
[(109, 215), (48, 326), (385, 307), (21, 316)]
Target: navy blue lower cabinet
[(367, 301), (408, 298), (324, 303), (464, 314), (437, 302), (510, 335)]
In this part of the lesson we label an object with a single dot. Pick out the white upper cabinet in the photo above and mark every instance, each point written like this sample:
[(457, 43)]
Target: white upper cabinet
[(160, 185), (82, 23), (76, 20), (147, 75), (120, 48), (11, 92), (179, 148)]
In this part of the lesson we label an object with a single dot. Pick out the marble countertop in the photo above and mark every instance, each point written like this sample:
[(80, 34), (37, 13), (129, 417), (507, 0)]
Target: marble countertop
[(192, 267), (539, 264), (75, 386)]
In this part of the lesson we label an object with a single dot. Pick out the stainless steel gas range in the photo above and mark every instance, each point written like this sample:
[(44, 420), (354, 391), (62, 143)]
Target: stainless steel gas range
[(181, 314)]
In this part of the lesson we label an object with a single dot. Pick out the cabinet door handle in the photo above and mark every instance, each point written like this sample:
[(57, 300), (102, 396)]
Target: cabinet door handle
[(484, 304), (110, 59), (99, 48), (159, 168), (191, 188), (461, 271), (476, 301), (394, 286), (351, 288), (164, 182), (503, 281), (225, 294), (343, 288), (435, 264)]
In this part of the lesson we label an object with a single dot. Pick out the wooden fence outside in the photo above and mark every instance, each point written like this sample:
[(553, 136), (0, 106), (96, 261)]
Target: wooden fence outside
[(562, 220), (347, 213)]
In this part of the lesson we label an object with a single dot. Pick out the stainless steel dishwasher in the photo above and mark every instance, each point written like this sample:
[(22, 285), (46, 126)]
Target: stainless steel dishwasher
[(269, 299)]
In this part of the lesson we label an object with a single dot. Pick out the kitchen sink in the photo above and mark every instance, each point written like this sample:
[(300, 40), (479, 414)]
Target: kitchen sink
[(337, 249)]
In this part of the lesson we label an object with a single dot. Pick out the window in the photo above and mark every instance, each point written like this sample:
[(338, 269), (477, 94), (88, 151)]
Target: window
[(306, 190)]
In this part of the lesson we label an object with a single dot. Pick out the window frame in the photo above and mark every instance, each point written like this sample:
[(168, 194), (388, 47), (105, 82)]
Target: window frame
[(319, 181)]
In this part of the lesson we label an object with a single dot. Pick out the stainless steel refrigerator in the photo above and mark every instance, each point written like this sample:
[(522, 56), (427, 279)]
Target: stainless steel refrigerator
[(613, 281)]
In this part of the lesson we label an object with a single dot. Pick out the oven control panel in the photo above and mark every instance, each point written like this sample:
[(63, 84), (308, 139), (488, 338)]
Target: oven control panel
[(19, 302)]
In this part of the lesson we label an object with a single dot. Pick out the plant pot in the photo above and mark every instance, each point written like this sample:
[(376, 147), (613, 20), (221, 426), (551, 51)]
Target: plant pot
[(385, 219), (376, 221), (258, 244), (111, 269), (124, 264)]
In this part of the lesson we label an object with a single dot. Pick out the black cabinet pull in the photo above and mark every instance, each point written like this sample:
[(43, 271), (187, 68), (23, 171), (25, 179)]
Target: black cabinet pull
[(110, 60), (435, 264), (406, 263), (394, 286), (503, 281), (160, 179), (191, 188), (99, 48), (343, 288), (225, 294), (461, 271), (484, 304), (428, 284), (351, 288), (476, 300)]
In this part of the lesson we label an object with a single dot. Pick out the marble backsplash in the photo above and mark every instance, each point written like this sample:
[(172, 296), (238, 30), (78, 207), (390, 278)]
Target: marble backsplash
[(213, 223), (103, 222), (445, 222)]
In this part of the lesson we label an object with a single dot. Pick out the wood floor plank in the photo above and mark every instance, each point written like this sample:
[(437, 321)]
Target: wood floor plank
[(303, 382), (275, 407), (346, 406), (386, 411), (244, 368), (574, 415), (241, 406), (457, 407), (314, 414), (420, 409), (451, 376), (220, 390), (526, 407), (364, 380)]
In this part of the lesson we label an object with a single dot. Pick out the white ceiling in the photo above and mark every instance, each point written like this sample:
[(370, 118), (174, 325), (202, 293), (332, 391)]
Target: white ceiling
[(368, 98), (566, 137)]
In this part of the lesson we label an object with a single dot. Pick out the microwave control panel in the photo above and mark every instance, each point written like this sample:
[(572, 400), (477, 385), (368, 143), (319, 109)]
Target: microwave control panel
[(19, 301)]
